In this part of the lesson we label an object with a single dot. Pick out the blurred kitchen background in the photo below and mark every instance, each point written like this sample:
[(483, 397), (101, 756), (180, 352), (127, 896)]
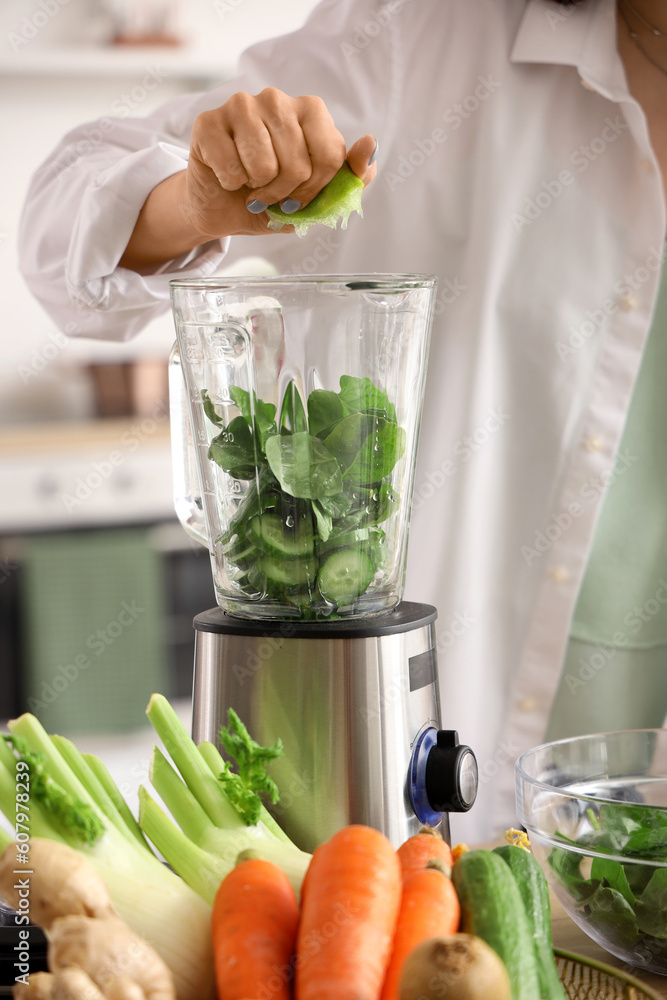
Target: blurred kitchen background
[(98, 582)]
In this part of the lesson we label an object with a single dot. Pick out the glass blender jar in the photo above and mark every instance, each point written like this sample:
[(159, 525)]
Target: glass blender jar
[(299, 404)]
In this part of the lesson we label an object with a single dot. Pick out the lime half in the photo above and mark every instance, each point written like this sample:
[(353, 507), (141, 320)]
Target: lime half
[(337, 200)]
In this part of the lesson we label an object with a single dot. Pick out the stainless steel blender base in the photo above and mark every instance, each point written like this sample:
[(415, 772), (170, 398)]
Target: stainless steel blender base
[(348, 699)]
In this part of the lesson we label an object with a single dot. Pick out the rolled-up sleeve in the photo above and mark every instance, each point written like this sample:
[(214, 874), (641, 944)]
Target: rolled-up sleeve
[(83, 202), (81, 208)]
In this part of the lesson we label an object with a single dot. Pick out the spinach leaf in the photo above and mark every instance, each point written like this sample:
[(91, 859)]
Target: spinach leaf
[(614, 916), (210, 410), (380, 503), (651, 906), (325, 409), (303, 465), (636, 830), (234, 450), (293, 417), (360, 394), (567, 869), (367, 447), (336, 505), (265, 413), (613, 874), (323, 519)]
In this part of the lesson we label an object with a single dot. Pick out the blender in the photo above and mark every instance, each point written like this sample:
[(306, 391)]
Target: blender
[(295, 405)]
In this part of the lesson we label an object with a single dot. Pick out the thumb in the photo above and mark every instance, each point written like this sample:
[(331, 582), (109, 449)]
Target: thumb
[(359, 156)]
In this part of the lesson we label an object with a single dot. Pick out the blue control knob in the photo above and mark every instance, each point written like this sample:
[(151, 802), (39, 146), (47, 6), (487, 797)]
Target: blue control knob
[(442, 776)]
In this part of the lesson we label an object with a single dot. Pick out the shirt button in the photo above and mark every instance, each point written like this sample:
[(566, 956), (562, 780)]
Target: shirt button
[(594, 442), (628, 302), (528, 704), (559, 574)]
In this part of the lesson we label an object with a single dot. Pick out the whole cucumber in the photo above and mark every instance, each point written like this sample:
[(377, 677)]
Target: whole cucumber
[(534, 892), (492, 909)]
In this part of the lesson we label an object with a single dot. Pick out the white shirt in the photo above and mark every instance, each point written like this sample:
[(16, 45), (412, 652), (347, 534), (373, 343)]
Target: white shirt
[(515, 165)]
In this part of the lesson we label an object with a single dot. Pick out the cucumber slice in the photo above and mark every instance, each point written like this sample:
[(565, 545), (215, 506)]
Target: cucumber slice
[(345, 575), (288, 572), (272, 533)]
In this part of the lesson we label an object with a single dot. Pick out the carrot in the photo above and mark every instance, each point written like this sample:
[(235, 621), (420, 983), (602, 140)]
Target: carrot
[(417, 851), (348, 916), (254, 926), (429, 909)]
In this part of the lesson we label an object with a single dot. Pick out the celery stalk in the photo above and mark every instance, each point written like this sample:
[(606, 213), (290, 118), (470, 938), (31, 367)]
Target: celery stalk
[(193, 769), (216, 762), (222, 847), (152, 900), (74, 758), (5, 839), (179, 800), (202, 871), (29, 728), (103, 775)]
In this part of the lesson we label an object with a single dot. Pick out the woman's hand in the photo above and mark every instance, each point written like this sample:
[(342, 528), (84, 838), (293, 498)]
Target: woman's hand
[(251, 152), (255, 151)]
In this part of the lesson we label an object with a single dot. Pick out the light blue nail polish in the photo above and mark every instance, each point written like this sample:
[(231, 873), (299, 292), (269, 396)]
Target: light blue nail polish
[(375, 154), (256, 207), (290, 205)]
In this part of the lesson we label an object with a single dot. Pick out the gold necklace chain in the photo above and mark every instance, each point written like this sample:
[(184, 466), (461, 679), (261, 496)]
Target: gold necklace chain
[(635, 38)]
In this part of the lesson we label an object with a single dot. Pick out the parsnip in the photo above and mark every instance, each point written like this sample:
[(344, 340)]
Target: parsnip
[(108, 951), (62, 883)]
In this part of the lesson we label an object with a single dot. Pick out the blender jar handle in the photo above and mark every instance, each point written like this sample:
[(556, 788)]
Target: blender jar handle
[(187, 488)]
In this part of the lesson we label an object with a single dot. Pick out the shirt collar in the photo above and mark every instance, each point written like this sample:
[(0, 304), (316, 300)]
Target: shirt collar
[(583, 36)]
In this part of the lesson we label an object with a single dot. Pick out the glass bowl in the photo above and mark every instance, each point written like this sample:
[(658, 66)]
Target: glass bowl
[(595, 809)]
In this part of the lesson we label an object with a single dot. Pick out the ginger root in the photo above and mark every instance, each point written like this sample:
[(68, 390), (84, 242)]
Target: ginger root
[(111, 954), (92, 953), (61, 883), (39, 987)]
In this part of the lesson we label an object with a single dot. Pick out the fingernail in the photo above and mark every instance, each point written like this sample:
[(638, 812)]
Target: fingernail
[(256, 207), (290, 205), (375, 154)]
